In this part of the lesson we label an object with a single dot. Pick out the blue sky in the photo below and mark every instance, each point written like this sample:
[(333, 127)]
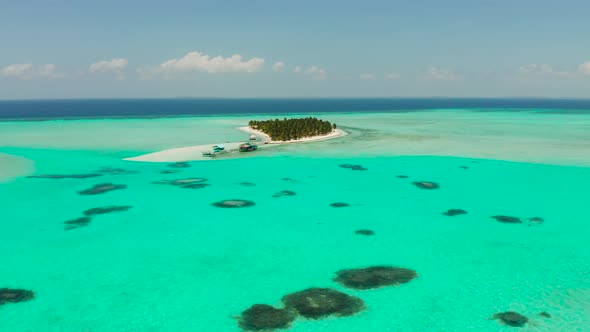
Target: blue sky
[(455, 48)]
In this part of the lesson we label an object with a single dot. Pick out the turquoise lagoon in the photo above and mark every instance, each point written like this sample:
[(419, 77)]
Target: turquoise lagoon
[(176, 263)]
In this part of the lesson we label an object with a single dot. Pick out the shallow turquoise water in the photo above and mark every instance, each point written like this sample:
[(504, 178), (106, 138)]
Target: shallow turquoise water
[(176, 263)]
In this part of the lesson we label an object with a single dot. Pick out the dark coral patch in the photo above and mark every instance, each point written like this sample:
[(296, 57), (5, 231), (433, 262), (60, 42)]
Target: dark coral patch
[(179, 165), (77, 223), (454, 212), (536, 220), (196, 186), (260, 317), (247, 184), (316, 303), (107, 209), (366, 232), (102, 188), (402, 176), (464, 167), (512, 318), (170, 171), (545, 314), (284, 193), (181, 182), (9, 295), (353, 167), (508, 219), (339, 205), (426, 185), (374, 277), (114, 171), (234, 203), (64, 176)]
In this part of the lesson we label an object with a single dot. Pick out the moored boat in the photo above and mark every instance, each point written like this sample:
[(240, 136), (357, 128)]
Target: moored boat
[(248, 147)]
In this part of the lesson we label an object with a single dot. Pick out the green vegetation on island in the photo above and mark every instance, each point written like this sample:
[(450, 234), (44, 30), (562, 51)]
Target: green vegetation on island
[(293, 129)]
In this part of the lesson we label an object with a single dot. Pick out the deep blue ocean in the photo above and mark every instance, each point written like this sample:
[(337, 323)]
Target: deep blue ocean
[(80, 108)]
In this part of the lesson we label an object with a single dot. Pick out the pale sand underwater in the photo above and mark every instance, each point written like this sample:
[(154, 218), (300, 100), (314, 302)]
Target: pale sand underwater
[(13, 166), (559, 139)]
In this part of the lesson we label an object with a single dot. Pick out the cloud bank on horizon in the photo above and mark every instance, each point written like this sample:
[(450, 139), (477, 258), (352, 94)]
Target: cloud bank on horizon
[(196, 62), (456, 48)]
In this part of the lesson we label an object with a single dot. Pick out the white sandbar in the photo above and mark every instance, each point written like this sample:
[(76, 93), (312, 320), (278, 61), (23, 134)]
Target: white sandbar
[(193, 153)]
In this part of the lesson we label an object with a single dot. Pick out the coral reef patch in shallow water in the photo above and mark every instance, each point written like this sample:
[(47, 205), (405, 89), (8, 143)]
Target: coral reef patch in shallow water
[(454, 212), (374, 277), (107, 209), (536, 220), (426, 185), (64, 176), (366, 232), (233, 203), (196, 186), (179, 165), (102, 188), (114, 171), (507, 219), (181, 182), (263, 317), (284, 193), (10, 295), (170, 171), (339, 205), (317, 303), (353, 167), (511, 318), (77, 223)]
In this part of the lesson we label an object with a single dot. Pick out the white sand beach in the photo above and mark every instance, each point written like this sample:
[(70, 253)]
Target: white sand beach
[(334, 134), (195, 153), (189, 153)]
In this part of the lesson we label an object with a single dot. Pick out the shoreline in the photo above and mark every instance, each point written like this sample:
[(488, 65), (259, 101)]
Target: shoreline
[(195, 152), (267, 140)]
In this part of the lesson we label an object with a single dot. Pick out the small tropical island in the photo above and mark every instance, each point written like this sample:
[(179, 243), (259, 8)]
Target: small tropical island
[(266, 132), (278, 131), (293, 129)]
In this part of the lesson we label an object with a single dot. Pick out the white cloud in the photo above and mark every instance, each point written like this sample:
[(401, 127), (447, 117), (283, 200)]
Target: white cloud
[(47, 70), (441, 74), (367, 77), (18, 70), (392, 76), (27, 71), (545, 69), (585, 68), (199, 62), (278, 66), (534, 68), (115, 66), (316, 73)]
